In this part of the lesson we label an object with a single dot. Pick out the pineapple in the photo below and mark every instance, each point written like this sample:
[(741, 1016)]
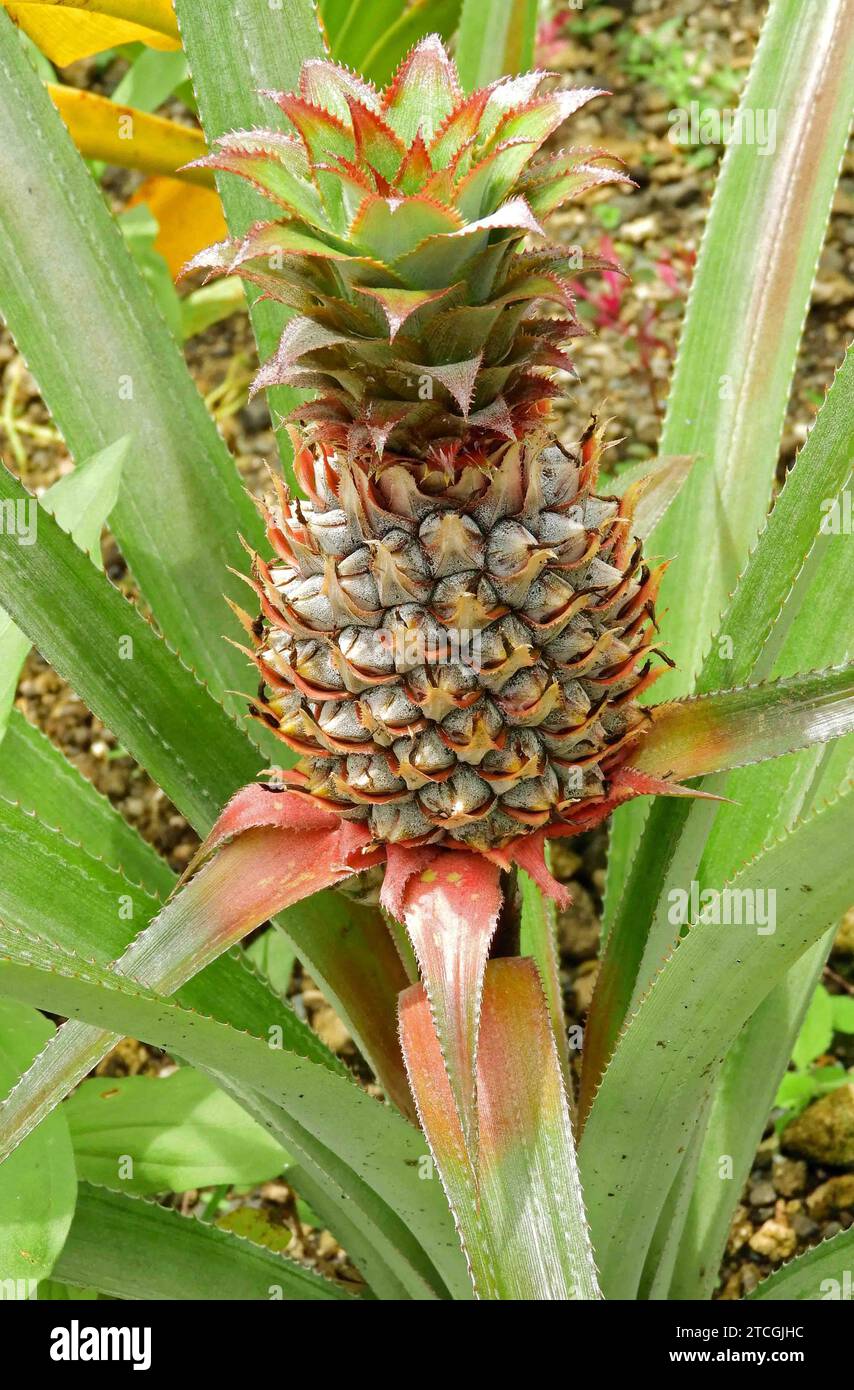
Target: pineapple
[(454, 628)]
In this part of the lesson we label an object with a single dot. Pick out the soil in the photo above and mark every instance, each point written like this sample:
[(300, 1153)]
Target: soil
[(655, 230)]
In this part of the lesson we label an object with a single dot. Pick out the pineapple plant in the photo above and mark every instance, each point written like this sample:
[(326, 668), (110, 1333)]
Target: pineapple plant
[(454, 627)]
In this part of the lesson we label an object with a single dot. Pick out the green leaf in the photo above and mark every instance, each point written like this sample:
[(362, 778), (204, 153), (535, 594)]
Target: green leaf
[(658, 483), (333, 14), (829, 1078), (44, 68), (274, 956), (793, 545), (35, 774), (38, 1184), (664, 1247), (126, 674), (387, 229), (745, 315), (83, 500), (147, 1134), (87, 312), (139, 228), (735, 728), (79, 902), (669, 1056), (368, 1229), (364, 24), (538, 939), (687, 739), (624, 832), (277, 165), (14, 650), (496, 38), (81, 503), (252, 877), (126, 1247), (665, 844), (821, 1273), (744, 1095), (326, 1213), (414, 21), (424, 92), (795, 541), (90, 908), (816, 1032), (362, 1152), (151, 79), (768, 798), (796, 1090), (351, 956), (517, 1201), (843, 1013), (211, 304), (51, 1291)]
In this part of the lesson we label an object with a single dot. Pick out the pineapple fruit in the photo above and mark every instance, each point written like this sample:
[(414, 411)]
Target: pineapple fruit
[(455, 628)]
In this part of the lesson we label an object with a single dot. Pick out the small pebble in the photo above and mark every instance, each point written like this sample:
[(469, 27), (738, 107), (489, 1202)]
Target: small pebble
[(788, 1175), (762, 1194), (837, 1194), (804, 1228), (775, 1240)]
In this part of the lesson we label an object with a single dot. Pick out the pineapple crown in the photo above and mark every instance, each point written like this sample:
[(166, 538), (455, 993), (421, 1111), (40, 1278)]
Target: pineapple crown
[(419, 318)]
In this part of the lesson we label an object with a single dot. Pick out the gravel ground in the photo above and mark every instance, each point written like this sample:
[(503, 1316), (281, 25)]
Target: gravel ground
[(789, 1202)]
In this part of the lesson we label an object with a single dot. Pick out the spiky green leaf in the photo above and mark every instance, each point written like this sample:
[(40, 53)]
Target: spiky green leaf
[(181, 504), (362, 1153), (128, 676), (745, 315), (128, 1248), (667, 1061), (38, 1185), (496, 38), (823, 1272)]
